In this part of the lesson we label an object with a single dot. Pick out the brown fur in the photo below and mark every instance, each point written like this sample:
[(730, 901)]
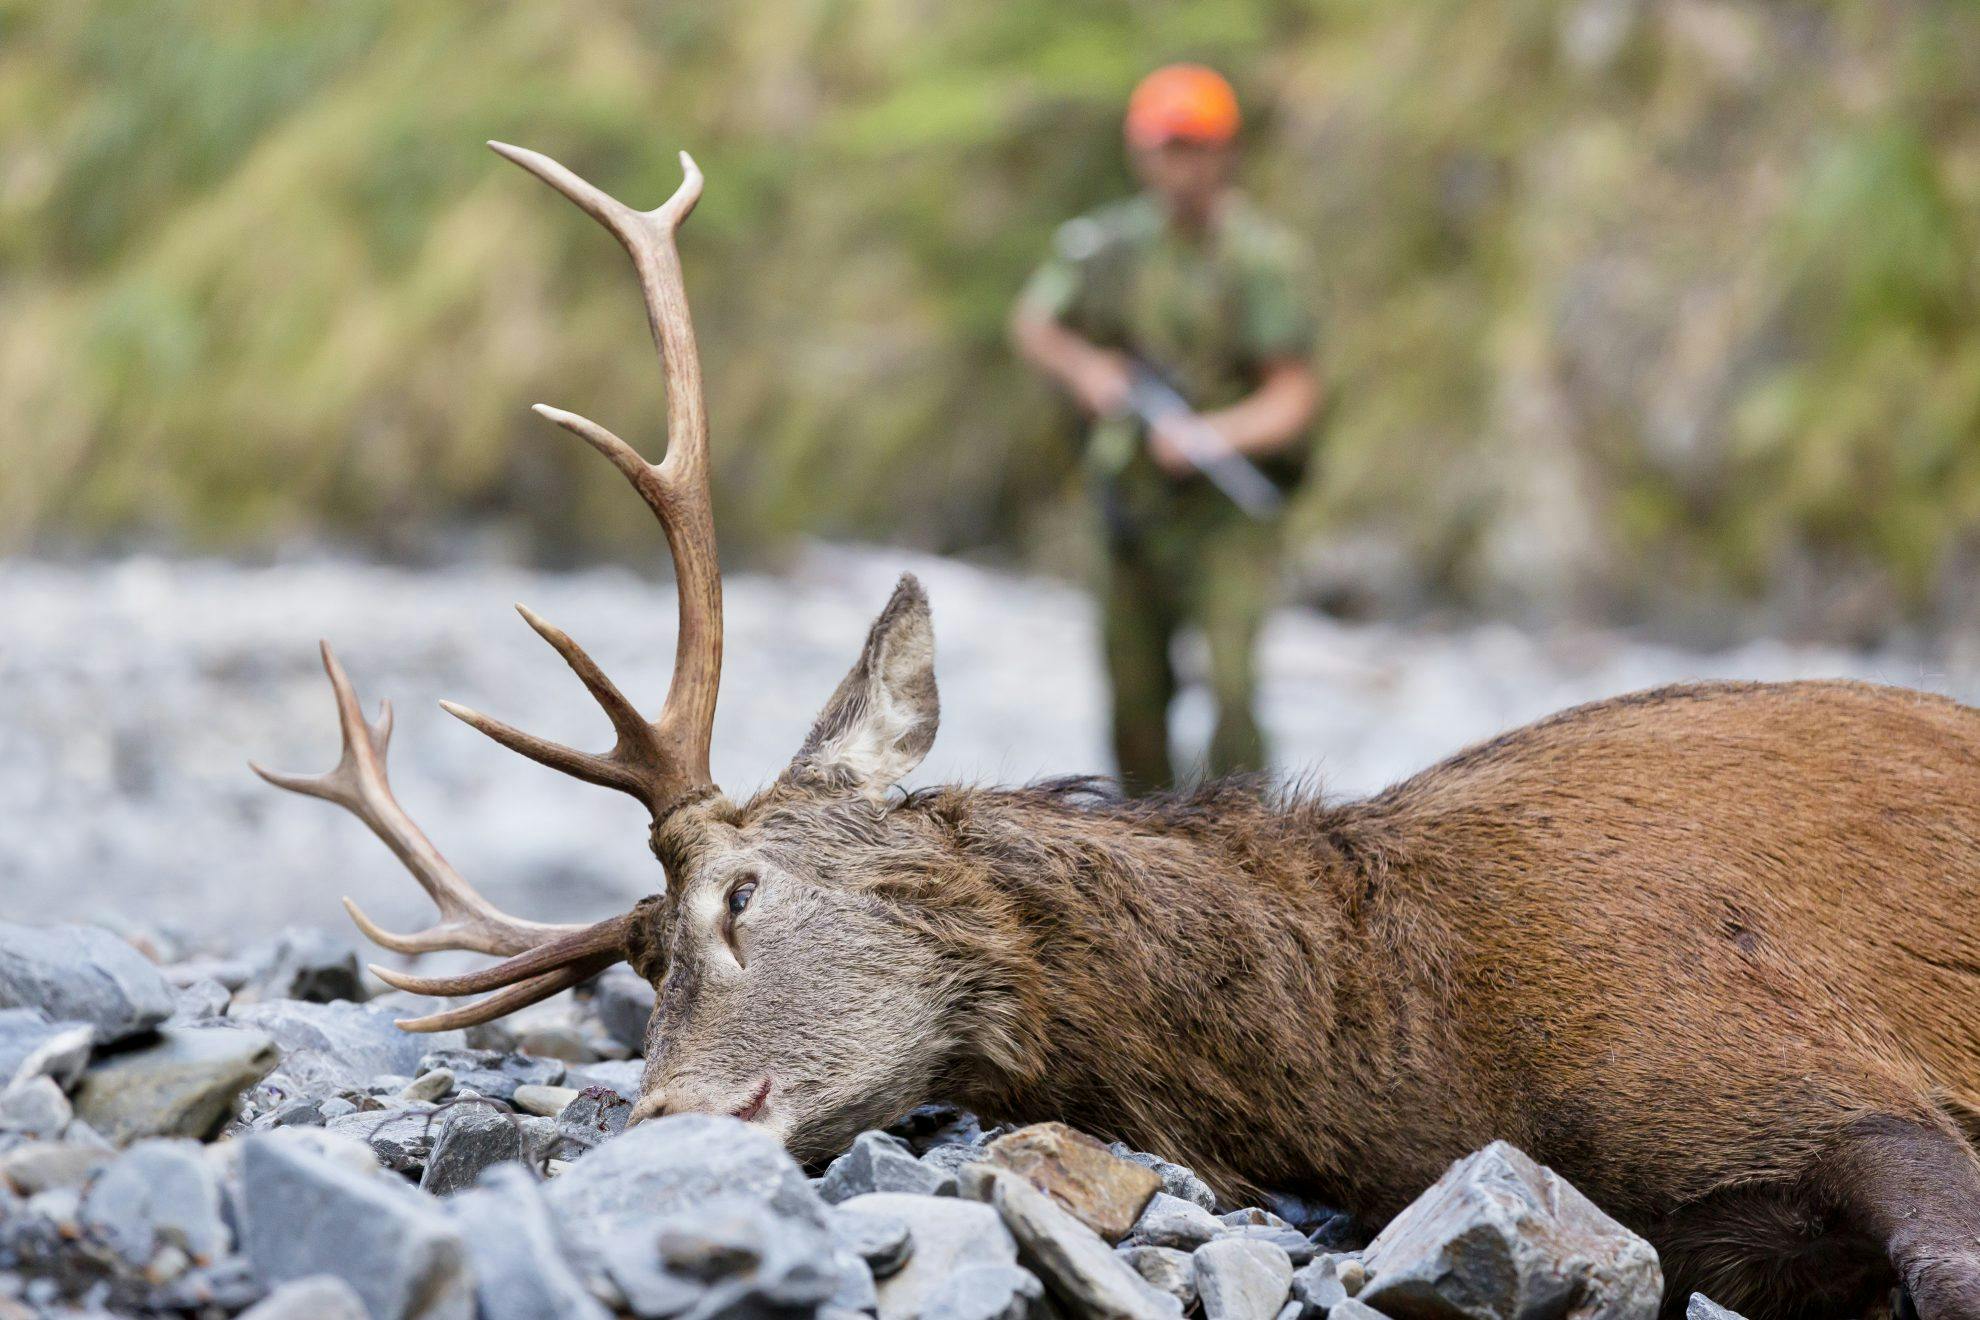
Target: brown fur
[(1712, 952)]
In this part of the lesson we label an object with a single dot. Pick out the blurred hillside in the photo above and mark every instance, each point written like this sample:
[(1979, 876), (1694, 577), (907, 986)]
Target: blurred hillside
[(1631, 302)]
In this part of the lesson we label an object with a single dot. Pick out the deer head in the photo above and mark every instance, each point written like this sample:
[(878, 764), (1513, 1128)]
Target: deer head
[(798, 981)]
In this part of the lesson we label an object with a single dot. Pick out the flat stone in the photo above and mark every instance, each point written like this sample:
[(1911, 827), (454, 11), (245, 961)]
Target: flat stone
[(82, 974), (882, 1240), (623, 1001), (34, 1107), (754, 1263), (1178, 1180), (201, 1001), (621, 1075), (673, 1163), (543, 1101), (32, 1046), (429, 1086), (1105, 1193), (1317, 1286), (593, 1115), (307, 964), (566, 1044), (984, 1292), (877, 1162), (628, 1267), (319, 1297), (1080, 1268), (948, 1235), (305, 1213), (1241, 1278), (227, 1285), (1355, 1309), (1289, 1240), (1701, 1307), (1170, 1221), (341, 1046), (471, 1139), (40, 1165), (1499, 1235), (400, 1139), (492, 1073), (1172, 1271), (180, 1085), (154, 1195), (521, 1265)]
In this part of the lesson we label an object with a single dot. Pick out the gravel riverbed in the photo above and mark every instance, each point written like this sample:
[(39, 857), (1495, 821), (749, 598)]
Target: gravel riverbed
[(133, 692)]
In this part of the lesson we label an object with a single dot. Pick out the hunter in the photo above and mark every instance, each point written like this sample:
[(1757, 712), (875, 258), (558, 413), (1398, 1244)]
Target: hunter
[(1188, 284)]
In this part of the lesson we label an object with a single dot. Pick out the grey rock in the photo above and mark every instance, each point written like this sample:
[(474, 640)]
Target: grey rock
[(1701, 1307), (563, 1043), (674, 1163), (521, 1266), (623, 1000), (157, 1194), (621, 1075), (491, 1073), (947, 1235), (429, 1086), (628, 1258), (756, 1264), (309, 965), (32, 1046), (1499, 1235), (1170, 1221), (1177, 1180), (951, 1160), (34, 1107), (306, 1213), (341, 1046), (1252, 1217), (471, 1139), (595, 1114), (201, 1001), (1355, 1309), (227, 1285), (543, 1101), (939, 1124), (1295, 1244), (984, 1292), (1317, 1285), (1242, 1279), (40, 1165), (1292, 1310), (1075, 1263), (82, 974), (1172, 1271), (877, 1162), (882, 1240), (180, 1085), (400, 1139), (319, 1297), (303, 1111)]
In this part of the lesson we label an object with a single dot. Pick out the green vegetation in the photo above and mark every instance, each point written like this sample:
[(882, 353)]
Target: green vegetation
[(1680, 292)]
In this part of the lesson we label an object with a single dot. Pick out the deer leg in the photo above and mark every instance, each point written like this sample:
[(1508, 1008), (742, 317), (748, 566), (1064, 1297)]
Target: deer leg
[(1915, 1188)]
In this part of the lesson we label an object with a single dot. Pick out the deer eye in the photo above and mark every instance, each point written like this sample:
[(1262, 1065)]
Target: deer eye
[(739, 897)]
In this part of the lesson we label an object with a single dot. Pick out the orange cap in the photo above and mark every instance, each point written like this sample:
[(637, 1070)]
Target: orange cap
[(1186, 101)]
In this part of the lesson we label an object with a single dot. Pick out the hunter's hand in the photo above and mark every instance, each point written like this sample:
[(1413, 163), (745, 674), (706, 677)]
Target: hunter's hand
[(1100, 382), (1169, 451)]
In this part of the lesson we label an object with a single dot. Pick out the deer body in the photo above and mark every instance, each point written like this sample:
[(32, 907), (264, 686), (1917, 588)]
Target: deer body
[(1712, 952), (1676, 945)]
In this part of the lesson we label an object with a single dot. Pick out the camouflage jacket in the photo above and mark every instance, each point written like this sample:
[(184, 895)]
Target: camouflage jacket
[(1207, 315)]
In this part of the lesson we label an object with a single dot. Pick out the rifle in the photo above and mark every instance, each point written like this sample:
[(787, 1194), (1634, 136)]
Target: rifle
[(1156, 402)]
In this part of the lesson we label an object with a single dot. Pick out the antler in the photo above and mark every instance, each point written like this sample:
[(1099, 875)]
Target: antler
[(663, 763), (550, 957)]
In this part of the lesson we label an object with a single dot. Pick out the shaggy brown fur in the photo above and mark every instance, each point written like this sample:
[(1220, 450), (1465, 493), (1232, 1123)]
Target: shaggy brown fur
[(1711, 952)]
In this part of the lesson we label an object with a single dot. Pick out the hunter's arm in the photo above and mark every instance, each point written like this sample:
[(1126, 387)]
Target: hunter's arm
[(1096, 377), (1274, 414)]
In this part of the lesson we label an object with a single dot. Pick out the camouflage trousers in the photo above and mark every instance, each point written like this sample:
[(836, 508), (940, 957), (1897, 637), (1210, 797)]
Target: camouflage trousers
[(1218, 576)]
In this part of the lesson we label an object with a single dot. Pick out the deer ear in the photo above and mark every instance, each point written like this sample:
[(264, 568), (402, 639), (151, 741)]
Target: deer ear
[(881, 720)]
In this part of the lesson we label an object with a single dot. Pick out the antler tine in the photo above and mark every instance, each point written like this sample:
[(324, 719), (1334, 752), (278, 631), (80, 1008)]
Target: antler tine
[(508, 1001), (358, 784), (664, 763)]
